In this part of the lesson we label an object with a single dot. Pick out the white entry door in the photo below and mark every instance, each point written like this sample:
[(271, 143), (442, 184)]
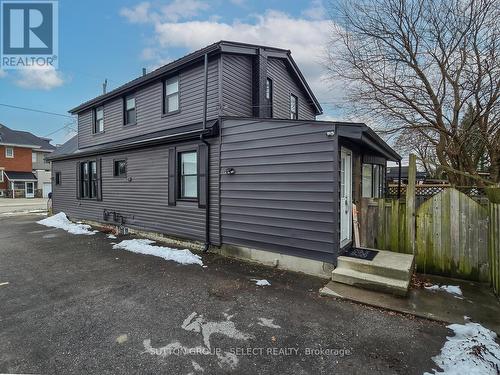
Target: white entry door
[(345, 196), (30, 190)]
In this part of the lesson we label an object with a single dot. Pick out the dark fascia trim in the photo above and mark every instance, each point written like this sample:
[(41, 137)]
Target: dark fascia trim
[(195, 57), (155, 141), (155, 75), (319, 109)]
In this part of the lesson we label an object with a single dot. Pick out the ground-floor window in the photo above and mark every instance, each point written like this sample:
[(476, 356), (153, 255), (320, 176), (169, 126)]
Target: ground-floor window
[(372, 181), (88, 179), (188, 175)]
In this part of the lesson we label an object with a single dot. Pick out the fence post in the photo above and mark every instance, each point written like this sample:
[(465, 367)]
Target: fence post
[(410, 205)]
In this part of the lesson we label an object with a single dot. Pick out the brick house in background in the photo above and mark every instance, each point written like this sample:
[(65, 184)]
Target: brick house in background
[(23, 169)]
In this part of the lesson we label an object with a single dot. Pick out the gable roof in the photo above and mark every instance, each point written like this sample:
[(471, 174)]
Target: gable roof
[(21, 138), (196, 56)]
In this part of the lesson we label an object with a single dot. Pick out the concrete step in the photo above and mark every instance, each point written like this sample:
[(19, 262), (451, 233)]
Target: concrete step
[(371, 281), (386, 263)]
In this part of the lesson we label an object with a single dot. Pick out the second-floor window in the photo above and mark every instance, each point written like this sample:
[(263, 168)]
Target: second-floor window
[(9, 152), (33, 157), (99, 120), (130, 115), (294, 107), (269, 97), (171, 95)]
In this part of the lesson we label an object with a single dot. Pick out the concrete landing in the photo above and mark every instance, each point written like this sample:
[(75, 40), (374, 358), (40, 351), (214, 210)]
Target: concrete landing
[(388, 272), (478, 302)]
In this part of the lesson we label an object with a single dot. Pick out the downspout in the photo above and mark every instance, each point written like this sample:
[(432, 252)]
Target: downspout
[(399, 180), (207, 165)]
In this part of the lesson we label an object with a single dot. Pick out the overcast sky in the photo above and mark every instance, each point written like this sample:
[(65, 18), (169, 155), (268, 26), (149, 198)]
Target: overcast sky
[(115, 39)]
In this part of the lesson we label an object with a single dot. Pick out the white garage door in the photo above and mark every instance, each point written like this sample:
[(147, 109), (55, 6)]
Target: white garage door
[(47, 188)]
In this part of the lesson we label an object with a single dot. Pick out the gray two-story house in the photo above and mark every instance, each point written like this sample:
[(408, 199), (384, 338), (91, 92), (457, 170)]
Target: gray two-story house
[(221, 147)]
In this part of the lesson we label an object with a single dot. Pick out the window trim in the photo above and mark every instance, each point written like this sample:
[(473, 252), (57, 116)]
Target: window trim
[(269, 99), (296, 114), (125, 98), (89, 180), (375, 191), (165, 96), (115, 170), (179, 176), (6, 155), (94, 120), (57, 181)]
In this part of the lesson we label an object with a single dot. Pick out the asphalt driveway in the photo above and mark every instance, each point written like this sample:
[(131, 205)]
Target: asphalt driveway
[(74, 305)]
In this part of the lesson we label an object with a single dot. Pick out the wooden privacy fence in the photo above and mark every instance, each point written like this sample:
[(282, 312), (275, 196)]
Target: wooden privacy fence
[(454, 235)]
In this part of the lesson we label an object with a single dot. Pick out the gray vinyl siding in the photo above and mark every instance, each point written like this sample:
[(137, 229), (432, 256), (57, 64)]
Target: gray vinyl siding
[(143, 200), (149, 107), (283, 196), (284, 85), (237, 85)]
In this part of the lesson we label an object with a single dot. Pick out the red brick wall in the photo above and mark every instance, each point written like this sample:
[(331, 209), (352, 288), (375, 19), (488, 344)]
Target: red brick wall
[(20, 163)]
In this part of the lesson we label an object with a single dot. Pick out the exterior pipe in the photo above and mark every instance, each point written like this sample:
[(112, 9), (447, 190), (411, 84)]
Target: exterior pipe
[(207, 189), (205, 93), (207, 166), (399, 180)]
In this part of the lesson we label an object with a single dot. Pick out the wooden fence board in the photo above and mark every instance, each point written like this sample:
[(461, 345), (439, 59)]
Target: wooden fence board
[(451, 233), (494, 245)]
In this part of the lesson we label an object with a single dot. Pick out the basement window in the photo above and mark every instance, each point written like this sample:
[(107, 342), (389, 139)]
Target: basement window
[(188, 175)]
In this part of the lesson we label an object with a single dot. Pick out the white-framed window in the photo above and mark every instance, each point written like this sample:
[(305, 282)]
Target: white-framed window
[(188, 175), (33, 157), (171, 95), (372, 183), (99, 119), (294, 107), (130, 115), (9, 152)]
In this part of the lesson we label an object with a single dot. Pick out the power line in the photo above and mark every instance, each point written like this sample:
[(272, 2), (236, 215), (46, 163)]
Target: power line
[(36, 110)]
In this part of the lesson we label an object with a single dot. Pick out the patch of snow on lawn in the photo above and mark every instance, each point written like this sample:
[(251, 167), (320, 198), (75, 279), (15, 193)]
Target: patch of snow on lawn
[(142, 246), (471, 351), (452, 289), (264, 322), (261, 282), (61, 221), (112, 236)]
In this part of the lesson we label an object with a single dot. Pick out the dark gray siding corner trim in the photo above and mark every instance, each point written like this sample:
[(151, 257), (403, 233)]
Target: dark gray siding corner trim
[(283, 194)]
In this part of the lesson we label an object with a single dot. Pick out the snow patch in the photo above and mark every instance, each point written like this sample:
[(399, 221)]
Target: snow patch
[(61, 221), (112, 236), (452, 289), (471, 351), (264, 322), (142, 246), (262, 282)]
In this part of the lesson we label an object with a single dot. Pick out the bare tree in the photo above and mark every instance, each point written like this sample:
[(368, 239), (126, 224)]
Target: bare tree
[(416, 66)]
